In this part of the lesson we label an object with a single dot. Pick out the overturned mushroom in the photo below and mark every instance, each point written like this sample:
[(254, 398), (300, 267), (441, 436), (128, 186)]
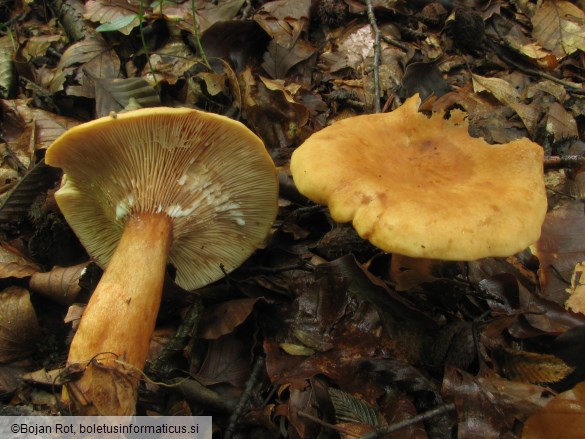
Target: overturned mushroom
[(143, 189), (422, 187)]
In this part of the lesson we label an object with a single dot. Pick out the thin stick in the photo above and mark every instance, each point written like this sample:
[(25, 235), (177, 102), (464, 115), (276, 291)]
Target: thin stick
[(198, 38), (377, 55), (143, 40), (244, 397), (408, 422), (563, 161), (323, 423)]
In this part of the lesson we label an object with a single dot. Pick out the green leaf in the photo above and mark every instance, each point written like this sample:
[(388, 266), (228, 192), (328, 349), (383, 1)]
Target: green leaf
[(117, 23)]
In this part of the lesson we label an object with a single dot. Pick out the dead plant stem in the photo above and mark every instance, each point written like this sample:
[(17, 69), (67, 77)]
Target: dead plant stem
[(377, 55), (408, 422)]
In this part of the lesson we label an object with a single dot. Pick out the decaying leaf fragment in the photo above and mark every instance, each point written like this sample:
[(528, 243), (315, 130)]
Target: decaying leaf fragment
[(19, 328), (563, 417), (576, 301)]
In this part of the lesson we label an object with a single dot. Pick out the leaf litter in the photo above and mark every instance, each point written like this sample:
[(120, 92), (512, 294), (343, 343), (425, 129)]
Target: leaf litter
[(319, 333)]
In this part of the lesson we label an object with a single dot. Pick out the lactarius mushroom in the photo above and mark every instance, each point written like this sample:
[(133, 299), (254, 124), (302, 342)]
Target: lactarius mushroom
[(422, 187), (144, 189)]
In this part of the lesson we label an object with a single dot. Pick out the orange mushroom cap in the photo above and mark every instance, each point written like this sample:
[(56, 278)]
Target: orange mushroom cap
[(422, 187), (210, 174)]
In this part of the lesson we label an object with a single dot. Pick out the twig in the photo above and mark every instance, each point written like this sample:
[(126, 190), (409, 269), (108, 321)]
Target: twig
[(577, 88), (197, 37), (70, 15), (563, 161), (195, 392), (244, 397), (178, 342), (323, 423), (377, 55), (408, 422), (395, 43), (143, 40)]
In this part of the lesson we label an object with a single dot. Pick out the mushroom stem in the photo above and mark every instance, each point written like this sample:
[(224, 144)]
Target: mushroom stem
[(113, 337)]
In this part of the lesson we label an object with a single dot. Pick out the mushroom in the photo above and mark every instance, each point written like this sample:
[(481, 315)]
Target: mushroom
[(422, 187), (143, 189)]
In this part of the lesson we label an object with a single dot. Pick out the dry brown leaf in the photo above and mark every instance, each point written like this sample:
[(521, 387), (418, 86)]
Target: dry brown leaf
[(278, 60), (563, 417), (10, 376), (19, 328), (560, 27), (208, 13), (44, 377), (170, 62), (112, 11), (505, 92), (408, 272), (560, 247), (478, 413), (225, 317), (532, 367), (14, 269), (74, 313), (37, 45), (14, 264), (560, 123), (98, 58), (273, 117), (522, 399), (284, 20), (227, 361), (576, 300), (60, 284)]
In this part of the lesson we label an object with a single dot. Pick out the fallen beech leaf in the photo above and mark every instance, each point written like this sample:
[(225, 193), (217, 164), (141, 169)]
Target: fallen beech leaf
[(532, 367), (563, 417), (278, 60), (276, 119), (477, 409), (225, 317), (14, 264), (14, 269), (170, 62), (60, 284), (407, 272), (96, 56), (74, 313), (121, 16), (560, 123), (505, 92), (227, 361), (560, 247), (17, 205), (576, 301), (208, 13), (44, 377), (116, 94), (19, 328), (560, 27), (520, 399), (352, 409), (10, 376)]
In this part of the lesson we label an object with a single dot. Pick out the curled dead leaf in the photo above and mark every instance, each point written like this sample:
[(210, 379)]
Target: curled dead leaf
[(19, 328), (564, 417), (60, 284)]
